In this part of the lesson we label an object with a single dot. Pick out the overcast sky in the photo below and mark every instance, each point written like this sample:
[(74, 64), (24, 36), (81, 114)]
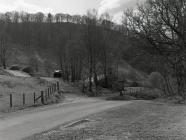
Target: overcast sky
[(114, 7)]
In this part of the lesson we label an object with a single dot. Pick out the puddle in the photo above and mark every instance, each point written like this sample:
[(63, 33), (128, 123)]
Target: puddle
[(50, 133), (77, 125)]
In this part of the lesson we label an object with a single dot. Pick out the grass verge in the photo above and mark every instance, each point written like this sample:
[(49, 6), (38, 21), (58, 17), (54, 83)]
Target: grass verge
[(142, 120)]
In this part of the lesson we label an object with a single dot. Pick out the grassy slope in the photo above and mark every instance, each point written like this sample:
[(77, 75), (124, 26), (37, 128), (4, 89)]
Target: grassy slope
[(46, 53), (131, 74), (138, 121), (22, 58), (17, 86)]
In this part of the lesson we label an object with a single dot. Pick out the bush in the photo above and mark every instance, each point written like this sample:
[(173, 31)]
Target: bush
[(41, 81), (156, 80), (148, 94), (110, 81), (145, 83), (15, 67), (132, 75), (134, 84), (28, 70), (117, 86)]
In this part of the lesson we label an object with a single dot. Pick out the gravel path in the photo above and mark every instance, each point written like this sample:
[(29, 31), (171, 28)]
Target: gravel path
[(141, 120), (20, 125)]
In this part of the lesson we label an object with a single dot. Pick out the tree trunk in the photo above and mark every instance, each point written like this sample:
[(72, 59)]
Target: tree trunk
[(90, 71), (105, 70), (180, 76), (168, 87), (3, 51)]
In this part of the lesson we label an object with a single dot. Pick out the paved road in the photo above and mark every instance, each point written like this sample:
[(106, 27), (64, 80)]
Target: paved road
[(20, 125)]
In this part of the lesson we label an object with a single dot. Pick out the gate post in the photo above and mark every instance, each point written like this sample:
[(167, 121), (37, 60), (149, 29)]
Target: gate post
[(23, 99), (42, 97), (57, 86), (11, 104)]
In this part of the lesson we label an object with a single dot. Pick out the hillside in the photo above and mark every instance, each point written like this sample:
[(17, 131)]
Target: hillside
[(23, 59), (46, 47), (90, 46)]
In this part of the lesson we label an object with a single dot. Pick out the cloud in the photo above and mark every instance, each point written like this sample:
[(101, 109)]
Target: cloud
[(22, 5), (106, 5), (116, 7), (117, 18)]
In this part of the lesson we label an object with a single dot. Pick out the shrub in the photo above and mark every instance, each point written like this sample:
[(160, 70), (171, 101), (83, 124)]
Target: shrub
[(148, 94), (15, 67), (156, 80), (41, 81), (117, 86), (144, 83), (134, 84), (28, 70), (132, 75)]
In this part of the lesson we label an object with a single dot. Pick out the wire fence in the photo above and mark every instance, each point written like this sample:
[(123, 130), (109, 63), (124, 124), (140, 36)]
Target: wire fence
[(22, 100)]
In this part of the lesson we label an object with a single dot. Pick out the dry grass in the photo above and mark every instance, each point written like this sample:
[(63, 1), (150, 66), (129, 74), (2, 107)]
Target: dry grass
[(17, 86), (21, 85), (142, 120)]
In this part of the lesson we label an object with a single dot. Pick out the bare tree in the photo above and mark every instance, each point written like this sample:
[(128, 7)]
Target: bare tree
[(39, 17), (15, 17), (90, 40), (3, 49), (106, 23), (50, 18), (163, 24), (57, 18)]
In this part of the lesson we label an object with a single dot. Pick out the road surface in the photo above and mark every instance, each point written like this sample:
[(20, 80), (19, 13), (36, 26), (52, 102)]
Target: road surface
[(17, 126)]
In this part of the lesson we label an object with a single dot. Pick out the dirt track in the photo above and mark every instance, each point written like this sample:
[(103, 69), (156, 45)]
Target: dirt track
[(21, 125), (140, 120)]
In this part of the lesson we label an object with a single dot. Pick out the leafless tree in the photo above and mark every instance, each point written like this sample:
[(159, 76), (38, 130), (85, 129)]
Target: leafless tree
[(90, 40), (163, 24), (3, 49)]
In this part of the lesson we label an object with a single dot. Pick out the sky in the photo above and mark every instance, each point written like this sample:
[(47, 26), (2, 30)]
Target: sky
[(73, 7)]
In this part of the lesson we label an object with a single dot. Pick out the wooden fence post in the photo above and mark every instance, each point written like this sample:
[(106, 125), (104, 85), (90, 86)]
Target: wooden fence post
[(46, 97), (11, 104), (48, 93), (23, 99), (50, 90), (34, 98), (42, 97), (57, 86)]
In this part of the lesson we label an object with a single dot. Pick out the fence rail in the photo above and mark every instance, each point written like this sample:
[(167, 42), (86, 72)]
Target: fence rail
[(35, 98), (132, 90)]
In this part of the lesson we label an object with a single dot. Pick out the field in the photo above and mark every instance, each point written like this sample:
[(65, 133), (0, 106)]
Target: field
[(142, 120), (17, 86)]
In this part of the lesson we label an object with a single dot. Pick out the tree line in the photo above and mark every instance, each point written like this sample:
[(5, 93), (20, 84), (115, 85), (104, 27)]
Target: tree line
[(22, 17), (151, 37), (82, 46), (160, 25)]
